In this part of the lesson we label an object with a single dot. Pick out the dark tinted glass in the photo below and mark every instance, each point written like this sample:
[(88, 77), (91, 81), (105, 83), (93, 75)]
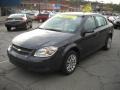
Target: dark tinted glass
[(63, 23), (101, 21), (90, 24), (16, 16)]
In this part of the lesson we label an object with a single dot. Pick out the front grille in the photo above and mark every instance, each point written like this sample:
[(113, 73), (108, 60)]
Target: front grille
[(21, 50)]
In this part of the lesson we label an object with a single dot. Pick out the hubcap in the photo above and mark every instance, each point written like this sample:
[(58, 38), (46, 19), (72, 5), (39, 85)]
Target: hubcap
[(109, 43), (71, 62)]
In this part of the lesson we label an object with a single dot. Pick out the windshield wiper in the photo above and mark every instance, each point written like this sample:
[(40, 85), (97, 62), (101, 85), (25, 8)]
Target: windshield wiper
[(52, 29)]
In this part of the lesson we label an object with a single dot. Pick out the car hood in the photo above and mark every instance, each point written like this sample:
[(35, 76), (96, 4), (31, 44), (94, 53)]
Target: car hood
[(39, 38)]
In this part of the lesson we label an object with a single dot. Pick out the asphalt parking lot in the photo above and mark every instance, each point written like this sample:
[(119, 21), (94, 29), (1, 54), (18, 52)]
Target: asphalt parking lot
[(100, 71)]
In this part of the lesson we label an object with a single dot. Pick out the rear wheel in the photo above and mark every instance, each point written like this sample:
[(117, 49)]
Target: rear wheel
[(108, 43), (70, 63), (27, 26), (40, 21), (43, 20), (8, 28)]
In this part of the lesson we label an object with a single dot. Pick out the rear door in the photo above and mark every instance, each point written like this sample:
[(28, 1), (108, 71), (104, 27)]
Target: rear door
[(102, 28)]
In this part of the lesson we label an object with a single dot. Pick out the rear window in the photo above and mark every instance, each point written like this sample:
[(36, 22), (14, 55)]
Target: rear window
[(43, 14), (30, 13), (16, 16), (14, 19)]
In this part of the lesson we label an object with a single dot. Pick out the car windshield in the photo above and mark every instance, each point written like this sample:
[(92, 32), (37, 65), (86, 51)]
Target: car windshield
[(62, 23), (16, 16)]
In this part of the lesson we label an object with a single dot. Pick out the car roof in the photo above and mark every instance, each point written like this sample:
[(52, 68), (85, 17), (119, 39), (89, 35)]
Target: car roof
[(18, 14), (81, 13), (12, 15)]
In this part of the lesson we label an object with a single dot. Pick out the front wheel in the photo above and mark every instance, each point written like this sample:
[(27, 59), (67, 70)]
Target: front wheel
[(70, 63), (108, 43), (8, 28)]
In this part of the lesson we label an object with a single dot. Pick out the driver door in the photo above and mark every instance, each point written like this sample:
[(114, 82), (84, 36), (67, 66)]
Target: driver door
[(89, 41)]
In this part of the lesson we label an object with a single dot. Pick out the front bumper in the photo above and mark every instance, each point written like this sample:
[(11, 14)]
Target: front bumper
[(36, 64)]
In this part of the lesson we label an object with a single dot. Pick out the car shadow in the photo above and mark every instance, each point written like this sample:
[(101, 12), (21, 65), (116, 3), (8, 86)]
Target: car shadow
[(25, 77), (50, 73), (17, 30), (31, 78), (93, 58)]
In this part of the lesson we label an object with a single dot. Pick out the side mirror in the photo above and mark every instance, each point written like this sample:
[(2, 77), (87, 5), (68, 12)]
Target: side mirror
[(91, 31), (84, 32)]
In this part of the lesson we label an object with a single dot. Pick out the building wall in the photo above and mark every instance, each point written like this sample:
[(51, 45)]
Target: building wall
[(43, 4), (0, 11)]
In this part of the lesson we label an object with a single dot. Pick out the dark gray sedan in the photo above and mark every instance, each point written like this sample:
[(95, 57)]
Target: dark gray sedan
[(61, 42), (18, 21)]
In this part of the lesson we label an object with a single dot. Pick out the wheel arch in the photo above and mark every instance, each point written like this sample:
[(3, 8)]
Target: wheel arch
[(72, 47), (110, 35)]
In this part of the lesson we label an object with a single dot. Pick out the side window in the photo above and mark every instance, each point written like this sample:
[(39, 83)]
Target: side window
[(101, 21), (90, 24)]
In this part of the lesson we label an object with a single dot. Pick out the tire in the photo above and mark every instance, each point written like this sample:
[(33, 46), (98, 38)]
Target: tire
[(30, 24), (108, 43), (27, 26), (40, 21), (69, 66), (8, 29), (115, 27), (43, 21)]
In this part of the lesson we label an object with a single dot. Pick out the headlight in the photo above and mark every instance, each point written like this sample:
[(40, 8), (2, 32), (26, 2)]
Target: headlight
[(9, 48), (46, 51), (114, 22)]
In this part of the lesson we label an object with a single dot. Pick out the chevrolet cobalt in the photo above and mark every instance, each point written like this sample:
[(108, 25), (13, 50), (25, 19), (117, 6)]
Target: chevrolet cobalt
[(16, 21), (61, 42)]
